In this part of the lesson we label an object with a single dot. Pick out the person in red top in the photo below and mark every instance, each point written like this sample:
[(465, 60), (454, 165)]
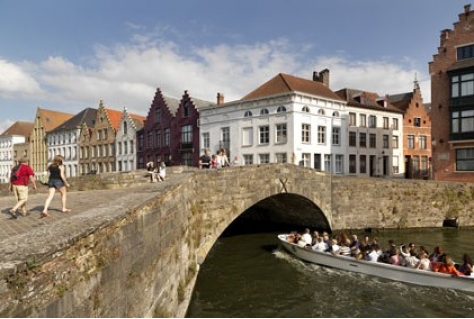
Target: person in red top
[(19, 186)]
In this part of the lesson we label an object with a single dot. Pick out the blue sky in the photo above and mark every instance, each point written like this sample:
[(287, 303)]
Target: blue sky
[(68, 55)]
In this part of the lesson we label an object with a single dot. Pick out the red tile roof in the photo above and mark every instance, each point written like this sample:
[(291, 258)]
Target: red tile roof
[(283, 83), (52, 119), (21, 128)]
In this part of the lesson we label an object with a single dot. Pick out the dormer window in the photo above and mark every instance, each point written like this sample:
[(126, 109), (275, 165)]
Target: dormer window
[(305, 109), (281, 109), (248, 114), (263, 111), (335, 114)]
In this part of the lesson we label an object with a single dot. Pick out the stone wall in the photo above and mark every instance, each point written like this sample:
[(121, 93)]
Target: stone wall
[(140, 256)]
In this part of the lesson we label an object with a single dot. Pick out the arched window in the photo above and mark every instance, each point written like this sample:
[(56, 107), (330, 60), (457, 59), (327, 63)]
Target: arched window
[(125, 128), (248, 114), (281, 109), (305, 109), (321, 112), (263, 112), (335, 114)]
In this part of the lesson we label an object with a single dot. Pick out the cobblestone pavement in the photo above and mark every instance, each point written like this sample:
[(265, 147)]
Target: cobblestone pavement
[(33, 234)]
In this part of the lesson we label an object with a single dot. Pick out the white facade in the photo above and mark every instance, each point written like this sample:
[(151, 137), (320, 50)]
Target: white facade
[(375, 142), (125, 144), (7, 143), (304, 130), (64, 142), (291, 127)]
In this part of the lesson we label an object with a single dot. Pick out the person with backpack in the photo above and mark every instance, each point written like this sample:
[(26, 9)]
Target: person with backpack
[(21, 175)]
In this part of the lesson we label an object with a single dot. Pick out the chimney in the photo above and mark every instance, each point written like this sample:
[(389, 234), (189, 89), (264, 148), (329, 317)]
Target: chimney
[(316, 76), (220, 98), (467, 9), (324, 75)]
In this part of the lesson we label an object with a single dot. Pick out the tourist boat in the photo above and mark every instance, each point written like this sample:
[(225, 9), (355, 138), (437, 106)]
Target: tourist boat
[(382, 270)]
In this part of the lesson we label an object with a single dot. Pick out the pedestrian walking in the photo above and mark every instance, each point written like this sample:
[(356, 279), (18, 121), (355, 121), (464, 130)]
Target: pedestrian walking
[(21, 175), (56, 182)]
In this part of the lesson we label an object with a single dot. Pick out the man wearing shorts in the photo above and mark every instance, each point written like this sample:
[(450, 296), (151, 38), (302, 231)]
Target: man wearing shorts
[(19, 186)]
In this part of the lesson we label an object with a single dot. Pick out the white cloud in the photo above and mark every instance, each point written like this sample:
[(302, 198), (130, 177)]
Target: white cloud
[(128, 74)]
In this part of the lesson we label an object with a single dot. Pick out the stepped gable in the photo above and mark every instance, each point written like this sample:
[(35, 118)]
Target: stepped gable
[(86, 116), (21, 128), (138, 121), (172, 104), (284, 83), (366, 100), (52, 119)]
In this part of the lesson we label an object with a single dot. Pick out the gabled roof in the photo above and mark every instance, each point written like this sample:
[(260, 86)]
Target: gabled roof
[(21, 128), (401, 101), (366, 100), (52, 119), (198, 103), (172, 104), (285, 83), (86, 116), (116, 116)]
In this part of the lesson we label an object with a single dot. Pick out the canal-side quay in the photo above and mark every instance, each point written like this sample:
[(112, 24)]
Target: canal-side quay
[(131, 248)]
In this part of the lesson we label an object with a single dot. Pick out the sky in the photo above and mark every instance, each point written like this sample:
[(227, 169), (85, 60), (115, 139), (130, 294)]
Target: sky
[(68, 55)]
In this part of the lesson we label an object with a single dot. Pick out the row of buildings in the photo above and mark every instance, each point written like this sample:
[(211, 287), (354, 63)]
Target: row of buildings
[(286, 119)]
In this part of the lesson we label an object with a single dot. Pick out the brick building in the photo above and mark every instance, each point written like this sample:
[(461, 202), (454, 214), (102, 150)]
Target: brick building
[(452, 102), (416, 133)]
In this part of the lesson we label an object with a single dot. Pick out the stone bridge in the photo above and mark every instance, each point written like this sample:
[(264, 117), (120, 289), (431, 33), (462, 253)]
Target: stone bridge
[(135, 250)]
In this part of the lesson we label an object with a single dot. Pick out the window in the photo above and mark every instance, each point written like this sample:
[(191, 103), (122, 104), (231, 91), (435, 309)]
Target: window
[(187, 109), (465, 52), (187, 159), (423, 142), (305, 161), (305, 109), (317, 161), (417, 122), (462, 122), (327, 162), (167, 136), (248, 114), (385, 123), (125, 147), (264, 134), (150, 140), (321, 134), (462, 85), (305, 133), (411, 142), (335, 114), (124, 128), (339, 164), (206, 143), (264, 158), (281, 109), (352, 119), (394, 141), (336, 136), (372, 121), (158, 115), (465, 159), (248, 159), (225, 137), (281, 157), (158, 138), (99, 135), (385, 141), (416, 164), (186, 136), (263, 112), (362, 139), (363, 164), (321, 112), (363, 120), (372, 140), (281, 133), (352, 138), (395, 164), (424, 165), (247, 136), (352, 164), (395, 124)]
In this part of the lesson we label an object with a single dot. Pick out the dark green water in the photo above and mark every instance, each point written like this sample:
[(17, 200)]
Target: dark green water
[(251, 276)]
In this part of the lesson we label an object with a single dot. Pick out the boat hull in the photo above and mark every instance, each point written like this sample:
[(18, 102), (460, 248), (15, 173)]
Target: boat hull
[(382, 270)]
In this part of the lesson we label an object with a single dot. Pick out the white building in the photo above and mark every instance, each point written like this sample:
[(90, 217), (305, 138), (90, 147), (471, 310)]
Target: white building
[(16, 134), (64, 140), (126, 141), (295, 120)]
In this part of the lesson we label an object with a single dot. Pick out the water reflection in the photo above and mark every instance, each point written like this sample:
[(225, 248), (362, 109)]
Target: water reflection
[(251, 276)]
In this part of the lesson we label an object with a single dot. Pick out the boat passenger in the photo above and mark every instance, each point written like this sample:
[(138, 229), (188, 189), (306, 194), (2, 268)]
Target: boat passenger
[(345, 248), (355, 241), (374, 253), (327, 241), (315, 237), (335, 248), (307, 238), (395, 258), (437, 252), (448, 267), (409, 257), (424, 263), (321, 245), (466, 267)]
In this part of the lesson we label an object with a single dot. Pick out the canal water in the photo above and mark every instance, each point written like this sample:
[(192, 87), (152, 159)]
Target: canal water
[(249, 275)]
